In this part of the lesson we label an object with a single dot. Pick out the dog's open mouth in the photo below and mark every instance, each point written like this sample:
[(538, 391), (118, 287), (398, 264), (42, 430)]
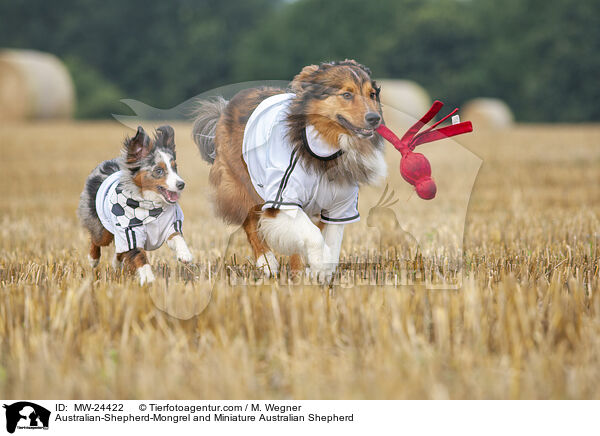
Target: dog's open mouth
[(170, 196), (362, 133)]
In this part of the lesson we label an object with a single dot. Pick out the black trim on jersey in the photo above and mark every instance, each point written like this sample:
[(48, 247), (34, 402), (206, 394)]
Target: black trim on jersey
[(340, 220), (286, 178), (312, 153), (278, 204), (178, 225), (285, 175), (131, 241)]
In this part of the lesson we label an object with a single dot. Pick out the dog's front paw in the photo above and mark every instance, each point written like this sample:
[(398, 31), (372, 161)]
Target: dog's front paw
[(268, 264), (322, 274), (145, 274), (320, 267), (184, 254)]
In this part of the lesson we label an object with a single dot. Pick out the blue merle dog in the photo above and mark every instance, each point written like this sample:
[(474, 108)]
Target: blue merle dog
[(132, 200)]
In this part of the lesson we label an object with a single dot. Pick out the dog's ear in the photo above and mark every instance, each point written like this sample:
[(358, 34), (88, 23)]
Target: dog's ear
[(304, 79), (353, 63), (137, 147), (165, 137)]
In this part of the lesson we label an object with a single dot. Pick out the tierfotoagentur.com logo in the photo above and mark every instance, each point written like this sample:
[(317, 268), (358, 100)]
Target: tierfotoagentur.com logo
[(24, 415)]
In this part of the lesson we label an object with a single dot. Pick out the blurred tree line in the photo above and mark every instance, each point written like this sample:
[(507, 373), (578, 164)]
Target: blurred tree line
[(541, 57)]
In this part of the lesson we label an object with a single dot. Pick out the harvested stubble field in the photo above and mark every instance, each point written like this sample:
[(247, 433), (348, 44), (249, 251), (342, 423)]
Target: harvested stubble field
[(525, 324)]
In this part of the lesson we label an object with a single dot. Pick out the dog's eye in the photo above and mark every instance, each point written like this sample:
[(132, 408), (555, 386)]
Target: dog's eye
[(347, 95), (158, 172), (373, 95)]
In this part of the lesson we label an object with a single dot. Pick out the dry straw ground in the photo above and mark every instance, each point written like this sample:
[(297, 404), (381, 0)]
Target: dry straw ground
[(526, 323)]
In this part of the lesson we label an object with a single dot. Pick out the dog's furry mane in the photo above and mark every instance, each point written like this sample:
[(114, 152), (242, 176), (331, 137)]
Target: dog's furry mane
[(362, 159)]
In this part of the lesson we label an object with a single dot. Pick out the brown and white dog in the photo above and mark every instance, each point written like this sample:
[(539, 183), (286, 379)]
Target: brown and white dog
[(336, 106), (132, 200)]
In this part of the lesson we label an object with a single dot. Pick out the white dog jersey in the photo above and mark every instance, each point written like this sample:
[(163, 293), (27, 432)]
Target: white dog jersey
[(281, 180), (135, 223)]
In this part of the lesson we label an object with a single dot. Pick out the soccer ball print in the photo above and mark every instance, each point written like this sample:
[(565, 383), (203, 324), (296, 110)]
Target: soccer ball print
[(130, 212)]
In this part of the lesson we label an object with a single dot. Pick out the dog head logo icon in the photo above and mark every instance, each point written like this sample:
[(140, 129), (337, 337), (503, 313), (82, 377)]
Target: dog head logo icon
[(26, 415)]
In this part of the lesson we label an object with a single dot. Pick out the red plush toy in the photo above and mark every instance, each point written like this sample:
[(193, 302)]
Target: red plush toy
[(414, 167)]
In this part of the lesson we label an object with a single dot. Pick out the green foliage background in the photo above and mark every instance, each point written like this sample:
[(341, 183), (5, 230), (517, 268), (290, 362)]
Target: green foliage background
[(542, 57)]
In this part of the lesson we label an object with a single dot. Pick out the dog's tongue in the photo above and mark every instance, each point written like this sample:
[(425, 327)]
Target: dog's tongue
[(172, 196)]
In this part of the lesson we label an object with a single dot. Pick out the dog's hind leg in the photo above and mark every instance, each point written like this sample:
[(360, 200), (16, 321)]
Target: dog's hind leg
[(265, 259), (101, 240), (94, 255)]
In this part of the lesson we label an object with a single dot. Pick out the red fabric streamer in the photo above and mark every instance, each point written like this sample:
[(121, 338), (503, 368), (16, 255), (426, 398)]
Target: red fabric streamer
[(414, 167)]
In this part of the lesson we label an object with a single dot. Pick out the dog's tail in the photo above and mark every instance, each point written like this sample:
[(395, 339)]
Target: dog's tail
[(205, 125)]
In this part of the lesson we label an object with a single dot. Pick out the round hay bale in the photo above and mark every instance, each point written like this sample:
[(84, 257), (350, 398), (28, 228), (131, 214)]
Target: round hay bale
[(34, 85), (489, 113), (403, 101)]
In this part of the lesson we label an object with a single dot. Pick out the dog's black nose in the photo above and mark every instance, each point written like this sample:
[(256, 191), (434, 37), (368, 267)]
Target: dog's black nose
[(180, 185), (373, 118)]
